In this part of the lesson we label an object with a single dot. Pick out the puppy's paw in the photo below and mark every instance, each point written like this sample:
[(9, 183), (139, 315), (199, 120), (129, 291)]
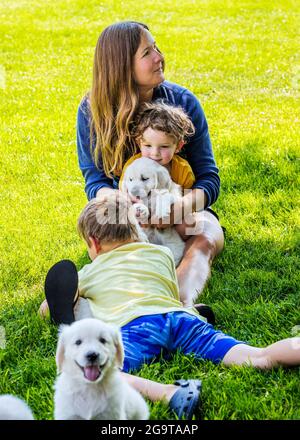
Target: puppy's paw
[(141, 212)]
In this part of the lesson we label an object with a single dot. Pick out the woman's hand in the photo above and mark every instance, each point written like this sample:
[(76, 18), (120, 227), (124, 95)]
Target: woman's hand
[(108, 192), (180, 211), (174, 217)]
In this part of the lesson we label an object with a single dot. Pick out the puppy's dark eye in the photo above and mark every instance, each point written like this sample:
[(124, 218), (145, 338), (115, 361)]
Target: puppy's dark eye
[(78, 342), (102, 340), (144, 178), (130, 179)]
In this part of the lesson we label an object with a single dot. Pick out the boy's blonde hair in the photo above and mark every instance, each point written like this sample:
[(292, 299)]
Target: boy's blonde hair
[(163, 117), (108, 219)]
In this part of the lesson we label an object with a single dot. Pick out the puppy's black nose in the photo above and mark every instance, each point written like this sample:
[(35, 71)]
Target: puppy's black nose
[(92, 356)]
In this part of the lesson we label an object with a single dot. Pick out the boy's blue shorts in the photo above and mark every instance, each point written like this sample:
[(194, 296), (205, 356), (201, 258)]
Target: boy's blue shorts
[(147, 337)]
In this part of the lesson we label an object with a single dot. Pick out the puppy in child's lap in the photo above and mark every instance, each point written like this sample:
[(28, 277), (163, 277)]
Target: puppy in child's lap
[(151, 183)]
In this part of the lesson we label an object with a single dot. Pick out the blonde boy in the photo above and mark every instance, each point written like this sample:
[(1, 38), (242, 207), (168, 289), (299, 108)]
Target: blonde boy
[(133, 285)]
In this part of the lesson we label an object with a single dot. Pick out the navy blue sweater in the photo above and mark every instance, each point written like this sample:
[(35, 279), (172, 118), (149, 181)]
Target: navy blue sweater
[(198, 150)]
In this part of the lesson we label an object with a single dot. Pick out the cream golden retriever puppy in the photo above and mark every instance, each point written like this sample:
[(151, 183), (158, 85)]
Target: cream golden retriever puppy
[(150, 182), (13, 408), (90, 385)]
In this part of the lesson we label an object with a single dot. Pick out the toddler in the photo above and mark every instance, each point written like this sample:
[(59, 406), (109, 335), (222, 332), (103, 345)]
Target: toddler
[(160, 132)]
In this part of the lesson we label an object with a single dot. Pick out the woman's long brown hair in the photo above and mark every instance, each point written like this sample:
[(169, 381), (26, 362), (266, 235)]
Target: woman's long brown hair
[(114, 97)]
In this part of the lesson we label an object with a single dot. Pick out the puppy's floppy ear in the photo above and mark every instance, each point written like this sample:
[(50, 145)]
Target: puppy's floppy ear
[(117, 338), (126, 175), (60, 350), (163, 179)]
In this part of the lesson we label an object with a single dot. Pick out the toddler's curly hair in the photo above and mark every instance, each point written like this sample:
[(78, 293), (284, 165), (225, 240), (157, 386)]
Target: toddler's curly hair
[(163, 117)]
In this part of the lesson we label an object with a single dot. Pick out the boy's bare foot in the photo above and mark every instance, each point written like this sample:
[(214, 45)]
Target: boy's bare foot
[(44, 310)]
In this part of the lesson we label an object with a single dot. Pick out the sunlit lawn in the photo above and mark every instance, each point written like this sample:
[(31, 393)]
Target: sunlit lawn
[(242, 60)]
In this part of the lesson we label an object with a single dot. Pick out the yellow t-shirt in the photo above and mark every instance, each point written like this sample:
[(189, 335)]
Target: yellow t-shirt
[(181, 171), (133, 280)]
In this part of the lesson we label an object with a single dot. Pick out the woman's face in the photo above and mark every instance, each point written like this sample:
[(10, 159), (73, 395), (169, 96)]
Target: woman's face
[(147, 63)]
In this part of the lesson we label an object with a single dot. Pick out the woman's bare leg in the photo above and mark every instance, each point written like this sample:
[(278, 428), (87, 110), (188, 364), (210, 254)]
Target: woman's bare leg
[(200, 250)]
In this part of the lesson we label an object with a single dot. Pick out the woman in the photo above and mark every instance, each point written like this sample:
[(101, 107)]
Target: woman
[(128, 70)]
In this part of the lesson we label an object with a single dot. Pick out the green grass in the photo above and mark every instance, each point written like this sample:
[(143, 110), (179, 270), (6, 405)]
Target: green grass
[(242, 60)]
